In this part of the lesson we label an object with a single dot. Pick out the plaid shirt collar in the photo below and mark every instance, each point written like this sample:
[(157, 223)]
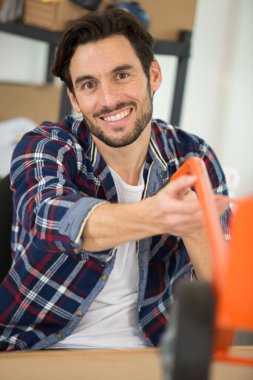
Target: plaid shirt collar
[(159, 154)]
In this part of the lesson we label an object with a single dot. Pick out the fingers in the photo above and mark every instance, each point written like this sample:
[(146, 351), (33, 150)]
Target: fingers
[(190, 195), (183, 223), (182, 206), (178, 207), (181, 186)]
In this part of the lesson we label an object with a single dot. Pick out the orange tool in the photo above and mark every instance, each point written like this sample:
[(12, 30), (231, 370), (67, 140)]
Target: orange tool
[(232, 264)]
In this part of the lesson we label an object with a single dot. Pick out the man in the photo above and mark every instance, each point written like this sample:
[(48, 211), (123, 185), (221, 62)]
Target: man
[(100, 235)]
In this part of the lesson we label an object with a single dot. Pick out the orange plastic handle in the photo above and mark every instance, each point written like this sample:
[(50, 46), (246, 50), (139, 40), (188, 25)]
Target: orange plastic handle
[(232, 267), (195, 166)]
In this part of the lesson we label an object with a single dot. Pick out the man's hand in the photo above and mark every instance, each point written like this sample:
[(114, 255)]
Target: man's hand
[(183, 216), (176, 208)]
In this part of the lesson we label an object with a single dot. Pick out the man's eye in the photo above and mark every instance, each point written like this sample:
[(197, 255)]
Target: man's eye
[(88, 85), (123, 75)]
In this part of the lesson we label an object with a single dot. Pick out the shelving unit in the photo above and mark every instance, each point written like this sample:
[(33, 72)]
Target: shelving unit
[(180, 49)]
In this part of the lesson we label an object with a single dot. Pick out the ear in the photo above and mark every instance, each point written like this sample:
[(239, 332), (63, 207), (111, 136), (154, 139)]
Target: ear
[(73, 101), (155, 75)]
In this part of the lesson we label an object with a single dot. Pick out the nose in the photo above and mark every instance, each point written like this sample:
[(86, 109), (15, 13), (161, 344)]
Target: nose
[(108, 95)]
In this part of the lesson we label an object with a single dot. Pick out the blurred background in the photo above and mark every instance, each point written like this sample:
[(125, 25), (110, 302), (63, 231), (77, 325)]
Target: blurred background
[(217, 100)]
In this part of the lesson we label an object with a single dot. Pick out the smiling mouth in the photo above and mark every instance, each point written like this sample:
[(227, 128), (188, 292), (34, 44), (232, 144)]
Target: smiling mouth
[(117, 116)]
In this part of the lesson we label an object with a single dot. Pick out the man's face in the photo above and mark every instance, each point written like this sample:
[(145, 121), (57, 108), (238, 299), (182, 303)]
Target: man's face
[(112, 91)]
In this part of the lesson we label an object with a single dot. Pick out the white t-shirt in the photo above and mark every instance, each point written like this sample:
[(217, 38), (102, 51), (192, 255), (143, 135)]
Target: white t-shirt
[(111, 321)]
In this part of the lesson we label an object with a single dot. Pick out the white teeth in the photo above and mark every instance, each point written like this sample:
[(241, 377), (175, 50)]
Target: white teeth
[(117, 117)]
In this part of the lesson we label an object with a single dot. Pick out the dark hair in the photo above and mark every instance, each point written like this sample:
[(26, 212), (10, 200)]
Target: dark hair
[(95, 26)]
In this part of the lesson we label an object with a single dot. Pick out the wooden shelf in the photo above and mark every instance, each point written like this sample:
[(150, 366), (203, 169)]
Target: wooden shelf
[(180, 49)]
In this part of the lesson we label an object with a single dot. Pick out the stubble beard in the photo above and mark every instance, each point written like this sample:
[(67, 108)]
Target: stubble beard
[(141, 122)]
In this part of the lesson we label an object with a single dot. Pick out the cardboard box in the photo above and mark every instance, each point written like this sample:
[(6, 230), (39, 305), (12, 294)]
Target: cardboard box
[(169, 17), (35, 102), (53, 15)]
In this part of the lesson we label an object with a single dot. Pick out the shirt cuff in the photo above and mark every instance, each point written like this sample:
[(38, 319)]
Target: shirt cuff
[(77, 240), (76, 217)]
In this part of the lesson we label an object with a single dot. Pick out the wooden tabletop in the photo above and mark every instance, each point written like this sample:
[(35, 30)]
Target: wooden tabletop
[(134, 364)]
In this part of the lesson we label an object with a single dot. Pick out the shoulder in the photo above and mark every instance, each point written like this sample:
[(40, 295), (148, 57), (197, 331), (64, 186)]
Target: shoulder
[(176, 140), (177, 145), (50, 135), (61, 130)]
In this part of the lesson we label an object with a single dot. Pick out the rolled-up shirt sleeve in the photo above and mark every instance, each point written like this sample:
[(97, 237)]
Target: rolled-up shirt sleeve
[(72, 225), (50, 208)]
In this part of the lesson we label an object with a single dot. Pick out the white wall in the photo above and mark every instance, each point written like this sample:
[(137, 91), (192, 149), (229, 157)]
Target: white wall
[(23, 60), (218, 101)]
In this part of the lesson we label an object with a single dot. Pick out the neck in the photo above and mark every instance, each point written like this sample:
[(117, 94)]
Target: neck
[(127, 161)]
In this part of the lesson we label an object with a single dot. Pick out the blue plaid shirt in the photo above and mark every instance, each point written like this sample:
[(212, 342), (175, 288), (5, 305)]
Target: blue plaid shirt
[(58, 176)]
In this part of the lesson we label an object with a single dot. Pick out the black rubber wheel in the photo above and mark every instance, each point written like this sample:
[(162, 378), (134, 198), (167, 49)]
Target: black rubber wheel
[(188, 346)]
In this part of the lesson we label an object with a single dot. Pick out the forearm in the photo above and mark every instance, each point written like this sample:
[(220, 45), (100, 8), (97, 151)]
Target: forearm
[(167, 212), (112, 224), (198, 249)]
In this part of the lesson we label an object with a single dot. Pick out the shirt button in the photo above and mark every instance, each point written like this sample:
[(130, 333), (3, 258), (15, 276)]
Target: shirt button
[(59, 335), (79, 313), (103, 277)]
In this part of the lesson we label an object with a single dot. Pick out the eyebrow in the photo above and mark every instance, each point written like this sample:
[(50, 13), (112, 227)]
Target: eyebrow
[(82, 78), (122, 68)]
